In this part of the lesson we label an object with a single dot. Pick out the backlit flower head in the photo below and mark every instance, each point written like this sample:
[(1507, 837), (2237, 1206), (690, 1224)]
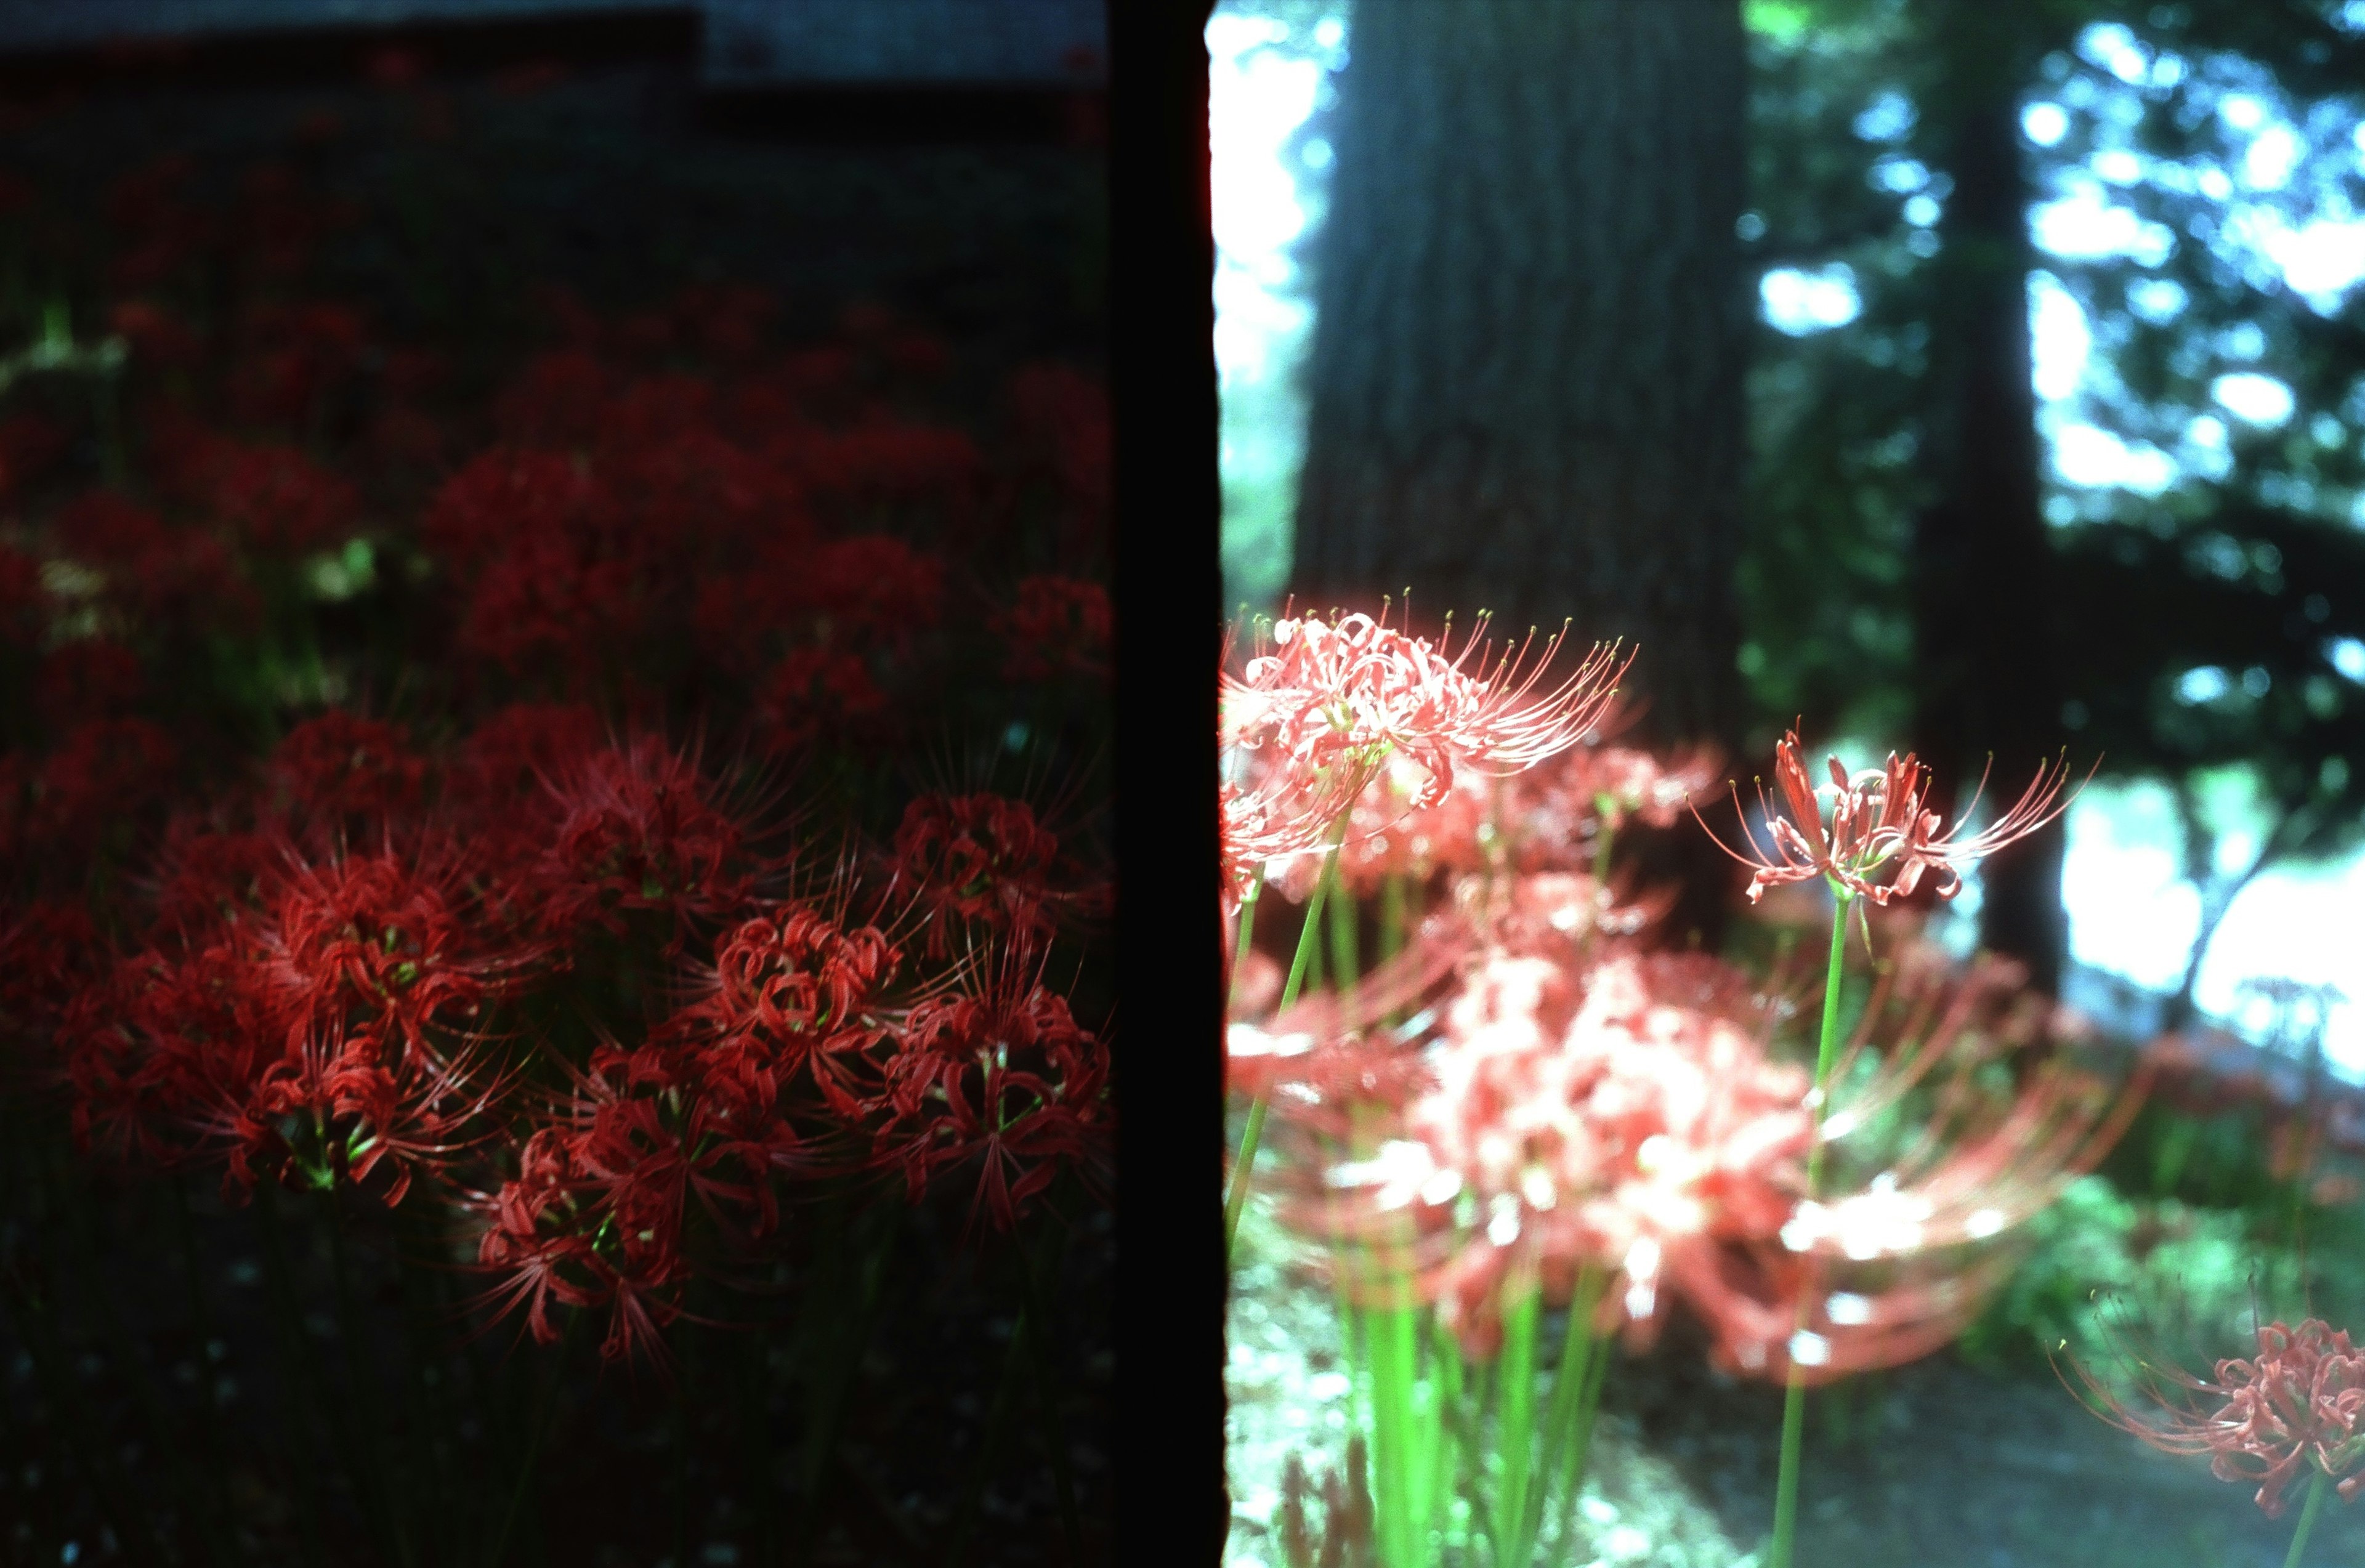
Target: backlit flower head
[(1872, 832), (1353, 690)]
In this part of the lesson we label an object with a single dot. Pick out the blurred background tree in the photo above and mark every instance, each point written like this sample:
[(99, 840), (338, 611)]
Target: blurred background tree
[(2051, 402), (1526, 376)]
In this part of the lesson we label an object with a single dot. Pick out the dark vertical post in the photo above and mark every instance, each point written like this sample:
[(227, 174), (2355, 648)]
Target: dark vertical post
[(1169, 1067)]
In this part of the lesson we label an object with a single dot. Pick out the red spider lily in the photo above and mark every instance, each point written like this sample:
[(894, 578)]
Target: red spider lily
[(635, 829), (1881, 836), (692, 485), (29, 445), (981, 863), (164, 1056), (515, 754), (528, 1239), (157, 337), (795, 991), (882, 462), (276, 499), (23, 601), (727, 321), (1580, 1109), (290, 362), (1560, 914), (104, 771), (91, 679), (999, 1073), (1063, 417), (379, 940), (158, 576), (874, 589), (1557, 808), (815, 693), (335, 1107), (554, 401), (503, 494), (595, 1217), (206, 878), (2299, 1402), (651, 1137), (1980, 1163), (1056, 627), (1357, 689), (46, 953), (550, 600), (1775, 1316), (340, 765), (1386, 837), (1279, 820)]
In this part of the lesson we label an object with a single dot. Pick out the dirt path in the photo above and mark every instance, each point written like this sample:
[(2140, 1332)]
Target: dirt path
[(1940, 1465)]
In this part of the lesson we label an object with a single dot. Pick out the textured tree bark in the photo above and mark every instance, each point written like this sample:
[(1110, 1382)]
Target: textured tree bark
[(1526, 373), (1984, 662)]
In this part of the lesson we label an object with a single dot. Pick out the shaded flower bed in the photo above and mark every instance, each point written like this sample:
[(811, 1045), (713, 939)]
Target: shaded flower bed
[(554, 996)]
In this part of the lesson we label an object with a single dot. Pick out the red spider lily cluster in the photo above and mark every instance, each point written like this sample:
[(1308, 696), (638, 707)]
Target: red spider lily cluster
[(2297, 1405), (543, 863), (1313, 724), (1534, 1094)]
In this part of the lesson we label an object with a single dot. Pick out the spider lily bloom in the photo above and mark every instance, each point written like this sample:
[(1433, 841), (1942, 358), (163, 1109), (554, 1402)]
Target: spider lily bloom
[(1280, 818), (1557, 813), (2300, 1402), (1877, 837), (1386, 838), (1559, 913), (1353, 691), (1978, 1163), (1774, 1315)]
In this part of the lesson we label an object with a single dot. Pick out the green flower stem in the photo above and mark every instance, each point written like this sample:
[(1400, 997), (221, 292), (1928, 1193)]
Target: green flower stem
[(1240, 947), (755, 1436), (683, 1400), (425, 1392), (1794, 1397), (535, 1432), (2306, 1519), (1398, 1452), (1445, 1360), (1345, 961), (997, 1424), (297, 1375), (1037, 1329), (1514, 1430), (1238, 1198), (1589, 1405), (201, 1335), (1561, 1417), (856, 1303), (381, 1462)]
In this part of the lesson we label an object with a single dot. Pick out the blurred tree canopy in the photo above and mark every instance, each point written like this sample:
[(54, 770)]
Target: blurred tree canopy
[(2190, 175), (2055, 402)]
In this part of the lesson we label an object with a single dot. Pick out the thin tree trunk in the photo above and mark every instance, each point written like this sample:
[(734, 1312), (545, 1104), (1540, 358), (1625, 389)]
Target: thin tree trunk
[(2216, 896), (1527, 374), (1984, 661)]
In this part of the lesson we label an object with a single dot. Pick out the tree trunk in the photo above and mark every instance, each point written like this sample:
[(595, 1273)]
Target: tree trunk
[(1527, 374), (1984, 662)]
